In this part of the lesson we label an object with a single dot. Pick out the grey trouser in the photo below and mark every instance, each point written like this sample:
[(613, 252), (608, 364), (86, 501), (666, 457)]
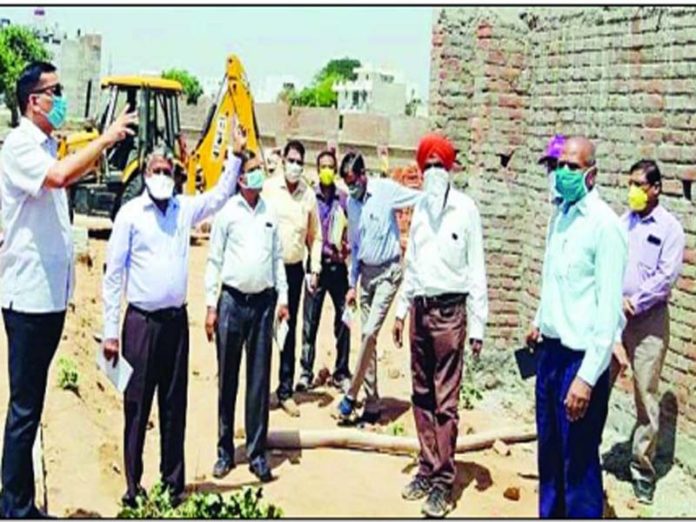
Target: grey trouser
[(378, 286), (646, 338)]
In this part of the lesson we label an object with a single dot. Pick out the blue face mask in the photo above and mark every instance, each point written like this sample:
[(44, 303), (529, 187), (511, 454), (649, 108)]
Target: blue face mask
[(254, 179), (56, 116)]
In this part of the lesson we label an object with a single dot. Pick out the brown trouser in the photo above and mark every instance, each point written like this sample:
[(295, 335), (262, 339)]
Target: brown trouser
[(646, 338), (437, 344)]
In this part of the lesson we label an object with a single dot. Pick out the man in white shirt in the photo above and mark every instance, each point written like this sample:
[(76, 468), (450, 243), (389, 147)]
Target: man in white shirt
[(36, 263), (149, 251), (444, 288), (246, 254), (578, 316)]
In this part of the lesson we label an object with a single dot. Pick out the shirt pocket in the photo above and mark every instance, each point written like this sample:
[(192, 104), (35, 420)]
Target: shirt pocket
[(453, 243), (649, 256)]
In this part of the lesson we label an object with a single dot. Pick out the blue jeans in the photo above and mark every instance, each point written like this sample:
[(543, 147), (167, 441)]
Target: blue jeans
[(570, 474)]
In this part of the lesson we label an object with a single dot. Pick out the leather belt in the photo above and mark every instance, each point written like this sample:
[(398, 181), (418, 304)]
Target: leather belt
[(439, 301)]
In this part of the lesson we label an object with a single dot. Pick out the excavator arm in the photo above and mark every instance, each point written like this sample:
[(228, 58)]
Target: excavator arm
[(234, 102)]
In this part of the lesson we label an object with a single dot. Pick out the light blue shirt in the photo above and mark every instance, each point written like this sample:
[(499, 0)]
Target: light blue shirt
[(372, 227), (151, 249), (582, 282)]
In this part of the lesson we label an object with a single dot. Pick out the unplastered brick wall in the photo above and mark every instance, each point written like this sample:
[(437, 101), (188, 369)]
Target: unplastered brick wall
[(503, 80)]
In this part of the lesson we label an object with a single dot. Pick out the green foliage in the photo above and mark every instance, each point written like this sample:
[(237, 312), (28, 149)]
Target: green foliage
[(68, 378), (320, 93), (18, 47), (244, 504), (412, 106), (396, 429), (192, 87), (470, 390)]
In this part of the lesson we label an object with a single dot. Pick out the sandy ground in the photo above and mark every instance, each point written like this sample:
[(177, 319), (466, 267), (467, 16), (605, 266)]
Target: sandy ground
[(83, 434)]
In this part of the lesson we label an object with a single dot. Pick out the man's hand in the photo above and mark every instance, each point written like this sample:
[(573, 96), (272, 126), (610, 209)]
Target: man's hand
[(119, 128), (476, 347), (533, 337), (111, 350), (210, 323), (314, 282), (238, 138), (577, 400), (621, 358), (350, 297), (628, 307), (283, 313), (398, 332)]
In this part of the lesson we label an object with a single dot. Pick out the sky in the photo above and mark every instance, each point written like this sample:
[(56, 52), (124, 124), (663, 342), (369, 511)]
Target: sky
[(270, 41)]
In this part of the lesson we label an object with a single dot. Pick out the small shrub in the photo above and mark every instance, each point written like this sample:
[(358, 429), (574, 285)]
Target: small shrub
[(470, 390), (68, 378), (396, 429), (244, 504)]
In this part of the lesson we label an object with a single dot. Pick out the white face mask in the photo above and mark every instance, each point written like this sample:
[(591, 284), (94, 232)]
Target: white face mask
[(435, 183), (293, 171), (160, 186)]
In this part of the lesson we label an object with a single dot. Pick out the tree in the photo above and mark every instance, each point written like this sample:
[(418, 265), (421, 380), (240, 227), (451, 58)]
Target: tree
[(320, 93), (192, 87), (18, 47)]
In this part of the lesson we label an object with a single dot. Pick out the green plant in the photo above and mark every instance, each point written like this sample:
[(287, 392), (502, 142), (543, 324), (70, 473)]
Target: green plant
[(189, 83), (396, 429), (470, 390), (244, 504), (68, 378)]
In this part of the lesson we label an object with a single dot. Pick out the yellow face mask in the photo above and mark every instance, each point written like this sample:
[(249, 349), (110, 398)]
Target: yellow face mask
[(637, 198), (326, 176)]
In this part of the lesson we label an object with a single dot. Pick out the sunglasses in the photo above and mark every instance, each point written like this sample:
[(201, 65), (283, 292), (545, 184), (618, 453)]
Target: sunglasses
[(166, 172), (54, 90), (295, 161), (569, 164)]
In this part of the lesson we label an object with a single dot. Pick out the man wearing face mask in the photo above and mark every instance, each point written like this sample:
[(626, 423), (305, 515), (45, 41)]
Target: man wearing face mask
[(578, 316), (149, 251), (295, 204), (333, 279), (655, 253), (245, 253), (444, 288), (36, 263), (375, 247)]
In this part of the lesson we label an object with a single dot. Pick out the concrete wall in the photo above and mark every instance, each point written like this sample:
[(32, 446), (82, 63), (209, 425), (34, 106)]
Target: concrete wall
[(78, 64), (503, 80)]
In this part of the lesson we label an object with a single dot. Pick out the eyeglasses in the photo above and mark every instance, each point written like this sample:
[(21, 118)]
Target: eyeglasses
[(54, 90), (295, 161), (166, 172), (569, 164)]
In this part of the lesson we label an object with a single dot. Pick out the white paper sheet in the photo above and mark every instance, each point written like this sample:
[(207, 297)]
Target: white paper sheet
[(281, 333), (120, 374), (348, 316)]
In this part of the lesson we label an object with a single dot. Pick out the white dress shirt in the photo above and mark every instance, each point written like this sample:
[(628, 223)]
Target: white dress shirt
[(151, 249), (445, 255), (582, 279), (245, 251), (37, 270)]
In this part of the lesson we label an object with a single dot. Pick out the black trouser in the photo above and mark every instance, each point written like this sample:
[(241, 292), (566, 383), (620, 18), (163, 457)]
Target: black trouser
[(334, 279), (156, 344), (244, 319), (295, 276), (32, 340)]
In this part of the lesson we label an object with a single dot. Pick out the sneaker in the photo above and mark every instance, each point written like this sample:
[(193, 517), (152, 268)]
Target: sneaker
[(644, 490), (345, 411), (341, 383), (131, 501), (222, 467), (438, 503), (418, 488), (304, 383), (290, 407), (259, 467)]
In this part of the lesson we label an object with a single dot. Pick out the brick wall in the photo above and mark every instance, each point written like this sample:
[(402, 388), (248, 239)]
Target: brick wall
[(503, 80)]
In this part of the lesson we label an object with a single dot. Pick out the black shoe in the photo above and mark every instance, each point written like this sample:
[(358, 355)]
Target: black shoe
[(369, 417), (131, 501), (259, 467), (438, 503), (644, 490), (222, 467), (417, 489), (304, 383)]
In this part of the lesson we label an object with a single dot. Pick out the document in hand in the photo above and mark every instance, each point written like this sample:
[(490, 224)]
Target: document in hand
[(280, 333), (348, 316), (338, 227), (120, 374), (526, 361)]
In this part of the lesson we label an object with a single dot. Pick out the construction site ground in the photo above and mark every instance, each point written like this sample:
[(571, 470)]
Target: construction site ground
[(83, 432)]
